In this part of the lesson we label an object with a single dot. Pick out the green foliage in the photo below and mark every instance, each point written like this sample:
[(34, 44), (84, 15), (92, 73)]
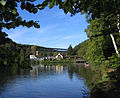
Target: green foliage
[(114, 65), (33, 50), (114, 61), (81, 48), (70, 50), (11, 52), (17, 54), (57, 61), (3, 2), (94, 52), (55, 53), (9, 15), (92, 8), (51, 4), (100, 46)]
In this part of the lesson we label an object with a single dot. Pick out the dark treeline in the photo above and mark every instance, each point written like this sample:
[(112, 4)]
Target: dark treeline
[(12, 53)]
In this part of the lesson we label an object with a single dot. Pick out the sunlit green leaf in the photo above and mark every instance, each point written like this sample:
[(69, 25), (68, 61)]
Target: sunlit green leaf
[(14, 11), (3, 2), (51, 5)]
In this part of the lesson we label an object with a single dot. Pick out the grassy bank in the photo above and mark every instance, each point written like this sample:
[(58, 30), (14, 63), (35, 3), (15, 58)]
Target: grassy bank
[(105, 89), (108, 86)]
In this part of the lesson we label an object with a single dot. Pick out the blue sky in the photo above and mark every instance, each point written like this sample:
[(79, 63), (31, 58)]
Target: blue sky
[(57, 30)]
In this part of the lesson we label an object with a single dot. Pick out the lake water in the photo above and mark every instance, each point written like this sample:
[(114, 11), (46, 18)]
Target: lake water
[(46, 82)]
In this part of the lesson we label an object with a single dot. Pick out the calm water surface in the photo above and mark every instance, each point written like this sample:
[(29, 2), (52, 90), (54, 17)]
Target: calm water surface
[(45, 82)]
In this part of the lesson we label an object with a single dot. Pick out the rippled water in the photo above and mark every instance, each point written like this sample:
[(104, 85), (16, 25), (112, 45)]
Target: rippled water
[(44, 82)]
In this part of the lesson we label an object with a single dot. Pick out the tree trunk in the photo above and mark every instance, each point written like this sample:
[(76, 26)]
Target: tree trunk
[(118, 25), (115, 46)]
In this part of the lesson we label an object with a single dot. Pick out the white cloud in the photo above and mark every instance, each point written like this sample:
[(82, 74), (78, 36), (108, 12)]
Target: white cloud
[(74, 36), (17, 33), (47, 29), (68, 37), (60, 14)]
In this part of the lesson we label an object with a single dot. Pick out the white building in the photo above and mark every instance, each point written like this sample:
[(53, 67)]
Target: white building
[(59, 56), (33, 57), (36, 53)]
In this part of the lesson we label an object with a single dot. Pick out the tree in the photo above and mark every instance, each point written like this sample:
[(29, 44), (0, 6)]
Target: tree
[(94, 32), (22, 56), (33, 50), (93, 8), (10, 18), (69, 50), (55, 53), (81, 48)]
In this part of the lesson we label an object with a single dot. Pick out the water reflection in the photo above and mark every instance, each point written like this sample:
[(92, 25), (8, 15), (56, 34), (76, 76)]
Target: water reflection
[(57, 81), (37, 69)]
